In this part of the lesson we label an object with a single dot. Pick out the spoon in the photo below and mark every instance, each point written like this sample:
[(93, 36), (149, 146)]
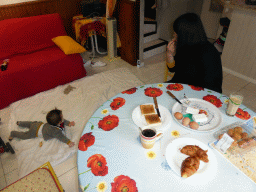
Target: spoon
[(140, 129)]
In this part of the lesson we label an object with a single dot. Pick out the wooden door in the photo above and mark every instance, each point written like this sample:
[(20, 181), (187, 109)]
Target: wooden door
[(127, 14)]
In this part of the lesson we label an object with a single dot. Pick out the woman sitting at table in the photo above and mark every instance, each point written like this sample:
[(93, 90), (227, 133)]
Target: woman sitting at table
[(197, 61)]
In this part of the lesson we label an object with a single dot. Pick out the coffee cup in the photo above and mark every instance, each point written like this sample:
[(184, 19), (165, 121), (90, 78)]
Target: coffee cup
[(234, 102), (148, 137)]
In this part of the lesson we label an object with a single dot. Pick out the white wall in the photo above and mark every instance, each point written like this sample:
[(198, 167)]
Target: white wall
[(210, 20), (7, 2), (171, 9)]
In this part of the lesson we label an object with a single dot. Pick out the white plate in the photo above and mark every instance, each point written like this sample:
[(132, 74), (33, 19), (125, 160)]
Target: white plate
[(214, 114), (175, 158), (140, 121)]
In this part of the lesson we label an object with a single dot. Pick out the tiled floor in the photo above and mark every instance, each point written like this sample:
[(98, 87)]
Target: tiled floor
[(153, 72)]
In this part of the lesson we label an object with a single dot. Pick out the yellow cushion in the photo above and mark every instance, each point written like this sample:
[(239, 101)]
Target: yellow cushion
[(68, 45)]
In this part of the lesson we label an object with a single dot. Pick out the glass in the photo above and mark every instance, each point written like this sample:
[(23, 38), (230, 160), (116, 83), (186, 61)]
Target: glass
[(235, 100)]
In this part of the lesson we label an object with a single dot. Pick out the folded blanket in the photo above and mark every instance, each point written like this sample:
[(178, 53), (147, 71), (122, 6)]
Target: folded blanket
[(78, 101)]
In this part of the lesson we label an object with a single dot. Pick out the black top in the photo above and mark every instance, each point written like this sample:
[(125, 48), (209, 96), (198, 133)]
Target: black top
[(198, 65)]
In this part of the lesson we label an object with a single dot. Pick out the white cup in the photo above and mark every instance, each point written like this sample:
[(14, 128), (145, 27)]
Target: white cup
[(148, 137)]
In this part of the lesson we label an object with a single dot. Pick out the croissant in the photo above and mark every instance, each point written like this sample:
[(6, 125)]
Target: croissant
[(202, 155), (193, 150), (189, 166), (189, 150)]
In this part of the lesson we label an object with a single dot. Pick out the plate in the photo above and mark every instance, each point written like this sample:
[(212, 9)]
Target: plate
[(214, 114), (175, 158), (140, 121)]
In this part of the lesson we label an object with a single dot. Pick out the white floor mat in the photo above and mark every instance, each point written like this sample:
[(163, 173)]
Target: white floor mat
[(78, 105)]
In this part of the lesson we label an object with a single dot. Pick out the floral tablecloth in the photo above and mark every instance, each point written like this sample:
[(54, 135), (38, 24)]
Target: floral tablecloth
[(111, 157)]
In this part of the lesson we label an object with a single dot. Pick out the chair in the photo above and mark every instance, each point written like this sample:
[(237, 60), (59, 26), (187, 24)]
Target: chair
[(40, 179), (167, 72)]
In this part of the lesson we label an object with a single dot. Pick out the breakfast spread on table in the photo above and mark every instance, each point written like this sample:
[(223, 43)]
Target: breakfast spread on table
[(183, 154), (194, 117)]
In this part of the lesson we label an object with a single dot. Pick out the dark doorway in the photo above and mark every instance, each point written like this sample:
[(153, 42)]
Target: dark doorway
[(149, 11)]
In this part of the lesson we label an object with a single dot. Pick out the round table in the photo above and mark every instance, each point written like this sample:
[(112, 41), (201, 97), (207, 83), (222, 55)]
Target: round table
[(111, 157)]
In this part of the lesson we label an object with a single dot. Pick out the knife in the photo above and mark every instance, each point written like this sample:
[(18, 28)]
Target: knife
[(156, 106), (173, 97)]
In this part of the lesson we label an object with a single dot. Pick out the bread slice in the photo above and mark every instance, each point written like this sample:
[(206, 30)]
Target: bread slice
[(153, 119), (147, 109)]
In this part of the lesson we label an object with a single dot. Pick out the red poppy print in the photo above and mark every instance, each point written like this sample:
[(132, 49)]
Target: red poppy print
[(86, 141), (117, 103), (108, 123), (130, 91), (98, 163), (123, 183), (175, 87), (153, 92), (244, 115), (196, 88), (213, 99)]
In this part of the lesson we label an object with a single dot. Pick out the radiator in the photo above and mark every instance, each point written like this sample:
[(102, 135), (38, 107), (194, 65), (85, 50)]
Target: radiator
[(239, 54), (112, 37)]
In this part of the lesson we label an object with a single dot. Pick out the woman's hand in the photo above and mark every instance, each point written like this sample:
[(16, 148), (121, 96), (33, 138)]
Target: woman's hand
[(171, 49)]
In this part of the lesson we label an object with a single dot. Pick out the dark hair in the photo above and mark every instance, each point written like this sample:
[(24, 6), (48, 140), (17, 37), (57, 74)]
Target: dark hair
[(54, 117), (189, 29)]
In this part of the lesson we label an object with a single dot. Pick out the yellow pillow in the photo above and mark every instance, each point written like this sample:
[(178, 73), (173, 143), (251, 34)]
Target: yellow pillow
[(68, 45)]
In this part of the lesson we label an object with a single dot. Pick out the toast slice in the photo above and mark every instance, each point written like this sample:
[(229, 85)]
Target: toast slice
[(147, 109), (153, 119)]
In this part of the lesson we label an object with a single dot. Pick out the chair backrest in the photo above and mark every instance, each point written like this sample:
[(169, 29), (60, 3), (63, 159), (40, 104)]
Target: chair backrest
[(48, 179), (29, 34), (48, 166)]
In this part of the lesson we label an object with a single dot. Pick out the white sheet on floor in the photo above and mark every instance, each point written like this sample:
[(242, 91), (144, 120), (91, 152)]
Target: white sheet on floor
[(79, 105)]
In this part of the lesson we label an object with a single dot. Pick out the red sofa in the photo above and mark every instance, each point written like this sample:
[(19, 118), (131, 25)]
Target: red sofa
[(36, 63)]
